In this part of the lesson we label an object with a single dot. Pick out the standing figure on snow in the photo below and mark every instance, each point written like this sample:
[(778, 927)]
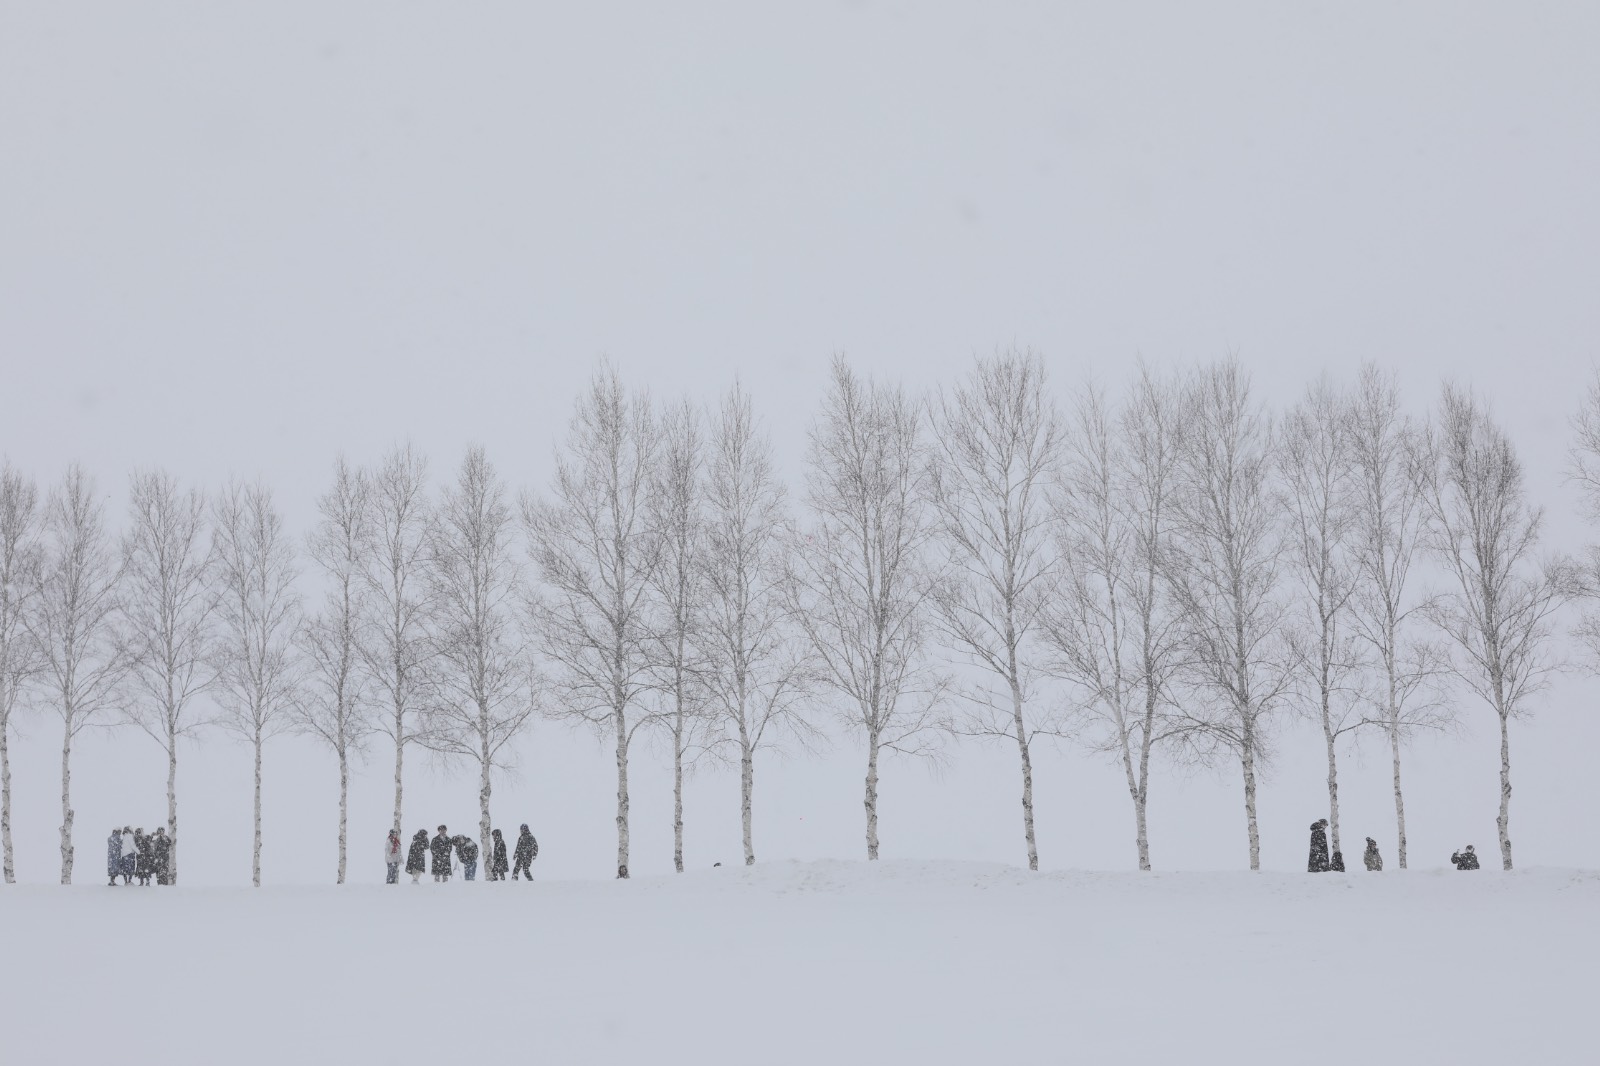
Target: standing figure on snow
[(130, 854), (1319, 847), (1373, 860), (1337, 865), (114, 855), (527, 851), (467, 848), (497, 858), (391, 858), (144, 862), (417, 857), (161, 856), (441, 848), (1465, 860)]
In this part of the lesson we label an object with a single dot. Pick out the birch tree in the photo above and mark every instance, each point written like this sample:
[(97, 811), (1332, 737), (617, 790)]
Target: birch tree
[(859, 578), (1111, 630), (258, 615), (482, 699), (395, 640), (1499, 606), (168, 605), (19, 658), (334, 704), (74, 624), (758, 667), (596, 551), (997, 444), (1224, 573), (1385, 611), (1315, 462), (678, 590)]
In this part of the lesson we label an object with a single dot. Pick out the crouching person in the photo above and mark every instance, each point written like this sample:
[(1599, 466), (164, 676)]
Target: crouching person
[(1465, 860), (467, 849)]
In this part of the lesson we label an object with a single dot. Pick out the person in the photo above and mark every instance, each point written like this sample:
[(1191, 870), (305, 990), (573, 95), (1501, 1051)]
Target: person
[(1465, 860), (1319, 847), (441, 847), (497, 858), (527, 850), (130, 854), (391, 858), (144, 860), (417, 858), (1373, 860), (161, 856), (1337, 865), (114, 855), (467, 848)]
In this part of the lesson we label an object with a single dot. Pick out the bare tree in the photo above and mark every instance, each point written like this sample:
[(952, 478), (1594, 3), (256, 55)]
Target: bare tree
[(997, 443), (19, 655), (1498, 612), (1111, 629), (858, 581), (1387, 535), (1584, 469), (258, 614), (677, 515), (1315, 459), (395, 639), (75, 623), (483, 697), (758, 665), (597, 553), (1223, 571), (167, 605), (333, 704)]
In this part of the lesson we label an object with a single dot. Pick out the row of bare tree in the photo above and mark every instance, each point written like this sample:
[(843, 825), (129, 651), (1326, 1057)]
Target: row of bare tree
[(1182, 568)]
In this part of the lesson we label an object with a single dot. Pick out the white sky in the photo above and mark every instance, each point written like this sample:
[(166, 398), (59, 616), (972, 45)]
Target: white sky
[(240, 238)]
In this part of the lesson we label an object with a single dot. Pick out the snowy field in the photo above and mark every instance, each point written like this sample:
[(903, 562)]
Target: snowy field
[(828, 962)]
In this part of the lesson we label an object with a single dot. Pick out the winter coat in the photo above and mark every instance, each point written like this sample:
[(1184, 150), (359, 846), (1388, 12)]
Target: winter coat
[(440, 846), (1373, 860), (497, 858), (1319, 849), (1465, 860), (417, 858), (391, 851), (1337, 865), (147, 855), (466, 849), (527, 849), (114, 854), (130, 845), (161, 858)]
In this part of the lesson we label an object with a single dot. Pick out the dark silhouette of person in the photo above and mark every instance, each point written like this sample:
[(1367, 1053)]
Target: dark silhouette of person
[(1318, 863)]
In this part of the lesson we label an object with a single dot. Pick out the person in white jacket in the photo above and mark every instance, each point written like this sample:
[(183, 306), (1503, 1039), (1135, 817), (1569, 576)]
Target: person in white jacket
[(391, 858), (130, 854)]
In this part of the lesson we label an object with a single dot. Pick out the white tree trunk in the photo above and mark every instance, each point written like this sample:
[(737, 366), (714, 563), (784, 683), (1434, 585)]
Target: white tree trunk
[(1333, 780), (1503, 822), (255, 850), (485, 794), (747, 786), (172, 810), (1247, 760), (399, 767), (1399, 802), (622, 794), (677, 799), (344, 808), (66, 806), (1027, 771), (5, 802), (872, 795)]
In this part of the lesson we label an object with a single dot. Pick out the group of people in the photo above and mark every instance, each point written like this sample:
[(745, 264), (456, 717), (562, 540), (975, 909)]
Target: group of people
[(443, 849), (1322, 862), (131, 853)]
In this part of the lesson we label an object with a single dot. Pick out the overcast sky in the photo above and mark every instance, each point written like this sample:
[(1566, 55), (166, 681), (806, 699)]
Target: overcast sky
[(238, 239)]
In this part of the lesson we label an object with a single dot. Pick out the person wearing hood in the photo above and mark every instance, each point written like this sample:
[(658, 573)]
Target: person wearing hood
[(527, 850), (417, 857), (467, 848), (161, 856), (1465, 860), (1318, 863), (497, 857), (1373, 860), (144, 861), (130, 854), (391, 858), (441, 846), (114, 855)]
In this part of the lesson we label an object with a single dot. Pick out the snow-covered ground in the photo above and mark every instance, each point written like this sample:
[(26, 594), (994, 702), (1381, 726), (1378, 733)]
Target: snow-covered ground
[(825, 962)]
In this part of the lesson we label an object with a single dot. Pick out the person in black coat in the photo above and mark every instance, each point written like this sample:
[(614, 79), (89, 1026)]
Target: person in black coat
[(527, 850), (467, 848), (417, 857), (144, 862), (497, 858), (1373, 860), (1337, 865), (161, 857), (1319, 847), (1465, 860), (442, 846)]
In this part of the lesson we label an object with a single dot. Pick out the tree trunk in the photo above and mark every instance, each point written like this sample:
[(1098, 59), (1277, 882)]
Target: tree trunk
[(344, 808), (1027, 777), (255, 850), (1333, 781), (872, 795), (1399, 802), (399, 766), (622, 795), (747, 786), (1247, 760), (677, 796), (172, 809), (66, 805), (1503, 823), (485, 794), (5, 802)]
